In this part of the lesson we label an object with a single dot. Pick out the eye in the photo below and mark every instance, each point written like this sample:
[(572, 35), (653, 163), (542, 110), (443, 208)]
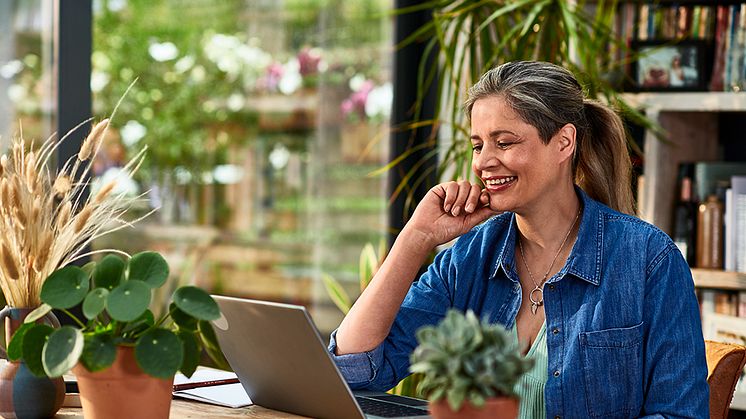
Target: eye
[(502, 145), (477, 148)]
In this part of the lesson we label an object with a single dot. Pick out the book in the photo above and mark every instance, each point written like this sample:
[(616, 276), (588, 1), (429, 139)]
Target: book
[(738, 220), (708, 175)]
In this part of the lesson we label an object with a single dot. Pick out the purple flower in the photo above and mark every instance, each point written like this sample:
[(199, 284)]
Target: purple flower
[(271, 77), (309, 59), (355, 103)]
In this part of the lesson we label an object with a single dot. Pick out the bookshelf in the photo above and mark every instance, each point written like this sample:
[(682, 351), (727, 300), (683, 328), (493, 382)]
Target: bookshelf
[(690, 120), (717, 279)]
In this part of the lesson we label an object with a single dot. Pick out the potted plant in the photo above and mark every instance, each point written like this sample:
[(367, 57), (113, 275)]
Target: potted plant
[(48, 220), (124, 358), (470, 368)]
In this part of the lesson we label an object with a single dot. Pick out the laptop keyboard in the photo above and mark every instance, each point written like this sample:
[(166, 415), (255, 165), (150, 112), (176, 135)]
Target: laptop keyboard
[(387, 410)]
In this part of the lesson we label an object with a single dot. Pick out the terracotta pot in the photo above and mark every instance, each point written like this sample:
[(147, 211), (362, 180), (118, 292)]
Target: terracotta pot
[(23, 395), (123, 390), (498, 408)]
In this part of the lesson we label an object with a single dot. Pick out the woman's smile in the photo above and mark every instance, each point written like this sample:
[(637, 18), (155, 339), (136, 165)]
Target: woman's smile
[(498, 183)]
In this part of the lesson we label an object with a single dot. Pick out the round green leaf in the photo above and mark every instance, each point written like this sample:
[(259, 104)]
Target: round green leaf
[(38, 313), (211, 345), (183, 320), (95, 302), (65, 288), (15, 347), (62, 350), (99, 352), (33, 346), (197, 303), (149, 267), (89, 268), (108, 272), (191, 352), (159, 353), (128, 301)]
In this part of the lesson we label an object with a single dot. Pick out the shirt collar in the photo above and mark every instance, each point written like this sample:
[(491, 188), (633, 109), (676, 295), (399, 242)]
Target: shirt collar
[(585, 258)]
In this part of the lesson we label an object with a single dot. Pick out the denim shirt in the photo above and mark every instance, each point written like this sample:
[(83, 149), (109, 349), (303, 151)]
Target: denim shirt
[(623, 330)]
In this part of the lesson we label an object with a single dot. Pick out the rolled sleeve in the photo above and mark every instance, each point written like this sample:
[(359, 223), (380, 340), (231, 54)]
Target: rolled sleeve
[(383, 367), (358, 369)]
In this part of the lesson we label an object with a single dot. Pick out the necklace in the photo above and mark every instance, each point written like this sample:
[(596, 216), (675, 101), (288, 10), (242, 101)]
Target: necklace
[(539, 288)]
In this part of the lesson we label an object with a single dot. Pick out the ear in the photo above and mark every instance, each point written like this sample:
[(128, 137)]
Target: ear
[(566, 143)]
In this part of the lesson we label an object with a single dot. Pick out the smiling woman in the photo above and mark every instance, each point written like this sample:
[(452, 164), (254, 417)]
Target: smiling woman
[(554, 201)]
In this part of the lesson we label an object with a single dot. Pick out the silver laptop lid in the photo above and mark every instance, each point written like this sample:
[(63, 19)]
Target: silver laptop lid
[(281, 360)]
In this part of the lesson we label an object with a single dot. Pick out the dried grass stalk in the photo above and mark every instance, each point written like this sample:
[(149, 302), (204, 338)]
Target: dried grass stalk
[(61, 185), (92, 141), (46, 219)]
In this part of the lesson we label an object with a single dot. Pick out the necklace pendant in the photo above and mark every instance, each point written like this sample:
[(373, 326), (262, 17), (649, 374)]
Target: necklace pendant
[(536, 302)]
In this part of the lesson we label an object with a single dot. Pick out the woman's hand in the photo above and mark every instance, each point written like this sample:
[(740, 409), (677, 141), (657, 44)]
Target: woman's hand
[(449, 210)]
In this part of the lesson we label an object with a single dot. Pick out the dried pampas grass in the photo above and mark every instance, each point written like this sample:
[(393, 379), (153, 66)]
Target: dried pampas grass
[(46, 221)]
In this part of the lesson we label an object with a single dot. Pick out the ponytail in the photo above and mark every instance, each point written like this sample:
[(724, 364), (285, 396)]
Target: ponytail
[(547, 97), (602, 166)]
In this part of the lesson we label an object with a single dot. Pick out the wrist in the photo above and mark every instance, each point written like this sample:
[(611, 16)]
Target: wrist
[(416, 241)]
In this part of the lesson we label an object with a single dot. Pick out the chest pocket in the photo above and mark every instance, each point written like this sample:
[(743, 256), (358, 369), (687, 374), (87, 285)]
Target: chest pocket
[(612, 370)]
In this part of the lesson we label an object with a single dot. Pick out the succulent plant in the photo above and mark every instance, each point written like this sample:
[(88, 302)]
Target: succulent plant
[(463, 359)]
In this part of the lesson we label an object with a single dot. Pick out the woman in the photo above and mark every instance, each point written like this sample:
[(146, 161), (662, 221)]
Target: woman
[(603, 301)]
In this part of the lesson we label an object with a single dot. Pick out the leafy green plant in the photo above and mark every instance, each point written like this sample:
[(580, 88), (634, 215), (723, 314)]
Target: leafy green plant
[(463, 359), (115, 297), (469, 37)]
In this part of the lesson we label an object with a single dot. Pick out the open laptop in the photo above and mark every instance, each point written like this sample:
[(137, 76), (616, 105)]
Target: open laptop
[(283, 364)]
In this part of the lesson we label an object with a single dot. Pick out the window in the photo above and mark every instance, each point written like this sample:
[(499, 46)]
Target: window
[(264, 120)]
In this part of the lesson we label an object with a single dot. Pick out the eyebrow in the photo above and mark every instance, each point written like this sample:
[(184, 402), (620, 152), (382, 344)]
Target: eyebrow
[(493, 134)]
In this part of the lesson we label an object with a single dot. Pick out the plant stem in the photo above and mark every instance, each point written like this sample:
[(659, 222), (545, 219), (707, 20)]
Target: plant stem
[(162, 319), (80, 323)]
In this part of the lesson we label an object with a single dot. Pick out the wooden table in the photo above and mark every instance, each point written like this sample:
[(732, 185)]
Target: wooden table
[(187, 409)]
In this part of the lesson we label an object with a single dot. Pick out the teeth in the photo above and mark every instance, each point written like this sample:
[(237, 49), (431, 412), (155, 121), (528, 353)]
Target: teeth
[(500, 181)]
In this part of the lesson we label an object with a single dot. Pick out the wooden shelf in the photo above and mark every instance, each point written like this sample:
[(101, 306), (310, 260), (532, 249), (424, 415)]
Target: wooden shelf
[(715, 278), (689, 101)]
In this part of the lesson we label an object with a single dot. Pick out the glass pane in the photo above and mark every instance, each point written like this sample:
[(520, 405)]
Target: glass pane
[(264, 120), (26, 101)]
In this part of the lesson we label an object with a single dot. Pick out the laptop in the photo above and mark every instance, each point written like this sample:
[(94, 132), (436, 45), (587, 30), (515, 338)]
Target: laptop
[(283, 364)]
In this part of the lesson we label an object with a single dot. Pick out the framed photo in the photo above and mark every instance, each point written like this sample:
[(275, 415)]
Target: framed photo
[(667, 66)]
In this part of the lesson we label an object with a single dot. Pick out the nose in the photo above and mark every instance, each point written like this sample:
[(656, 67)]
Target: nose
[(485, 160)]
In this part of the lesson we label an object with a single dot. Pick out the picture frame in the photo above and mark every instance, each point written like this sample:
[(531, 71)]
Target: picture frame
[(670, 66)]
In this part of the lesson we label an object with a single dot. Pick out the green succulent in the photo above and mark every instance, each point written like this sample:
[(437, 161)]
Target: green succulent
[(115, 297), (465, 359)]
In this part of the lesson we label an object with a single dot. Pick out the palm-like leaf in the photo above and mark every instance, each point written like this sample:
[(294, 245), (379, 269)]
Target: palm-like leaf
[(472, 36)]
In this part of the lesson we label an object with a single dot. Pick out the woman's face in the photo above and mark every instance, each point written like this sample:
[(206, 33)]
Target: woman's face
[(515, 166)]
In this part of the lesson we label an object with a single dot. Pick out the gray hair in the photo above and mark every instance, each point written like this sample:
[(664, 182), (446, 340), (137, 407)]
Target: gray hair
[(548, 97), (544, 95)]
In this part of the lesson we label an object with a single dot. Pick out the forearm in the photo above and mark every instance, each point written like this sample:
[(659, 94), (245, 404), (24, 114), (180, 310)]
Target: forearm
[(370, 318)]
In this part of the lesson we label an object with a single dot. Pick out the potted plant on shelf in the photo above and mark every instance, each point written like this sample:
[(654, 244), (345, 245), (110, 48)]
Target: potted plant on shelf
[(470, 368), (124, 358)]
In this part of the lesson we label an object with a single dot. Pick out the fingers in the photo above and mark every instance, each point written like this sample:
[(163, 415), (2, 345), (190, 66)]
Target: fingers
[(461, 197), (484, 198)]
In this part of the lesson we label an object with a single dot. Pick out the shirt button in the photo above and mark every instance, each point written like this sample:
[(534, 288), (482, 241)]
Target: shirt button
[(556, 373), (558, 417), (551, 287), (555, 331)]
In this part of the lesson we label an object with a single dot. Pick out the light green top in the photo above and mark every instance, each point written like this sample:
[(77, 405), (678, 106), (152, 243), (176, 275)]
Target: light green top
[(530, 387)]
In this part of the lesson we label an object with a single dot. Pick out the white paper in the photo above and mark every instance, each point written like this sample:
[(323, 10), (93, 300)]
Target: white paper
[(230, 395)]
